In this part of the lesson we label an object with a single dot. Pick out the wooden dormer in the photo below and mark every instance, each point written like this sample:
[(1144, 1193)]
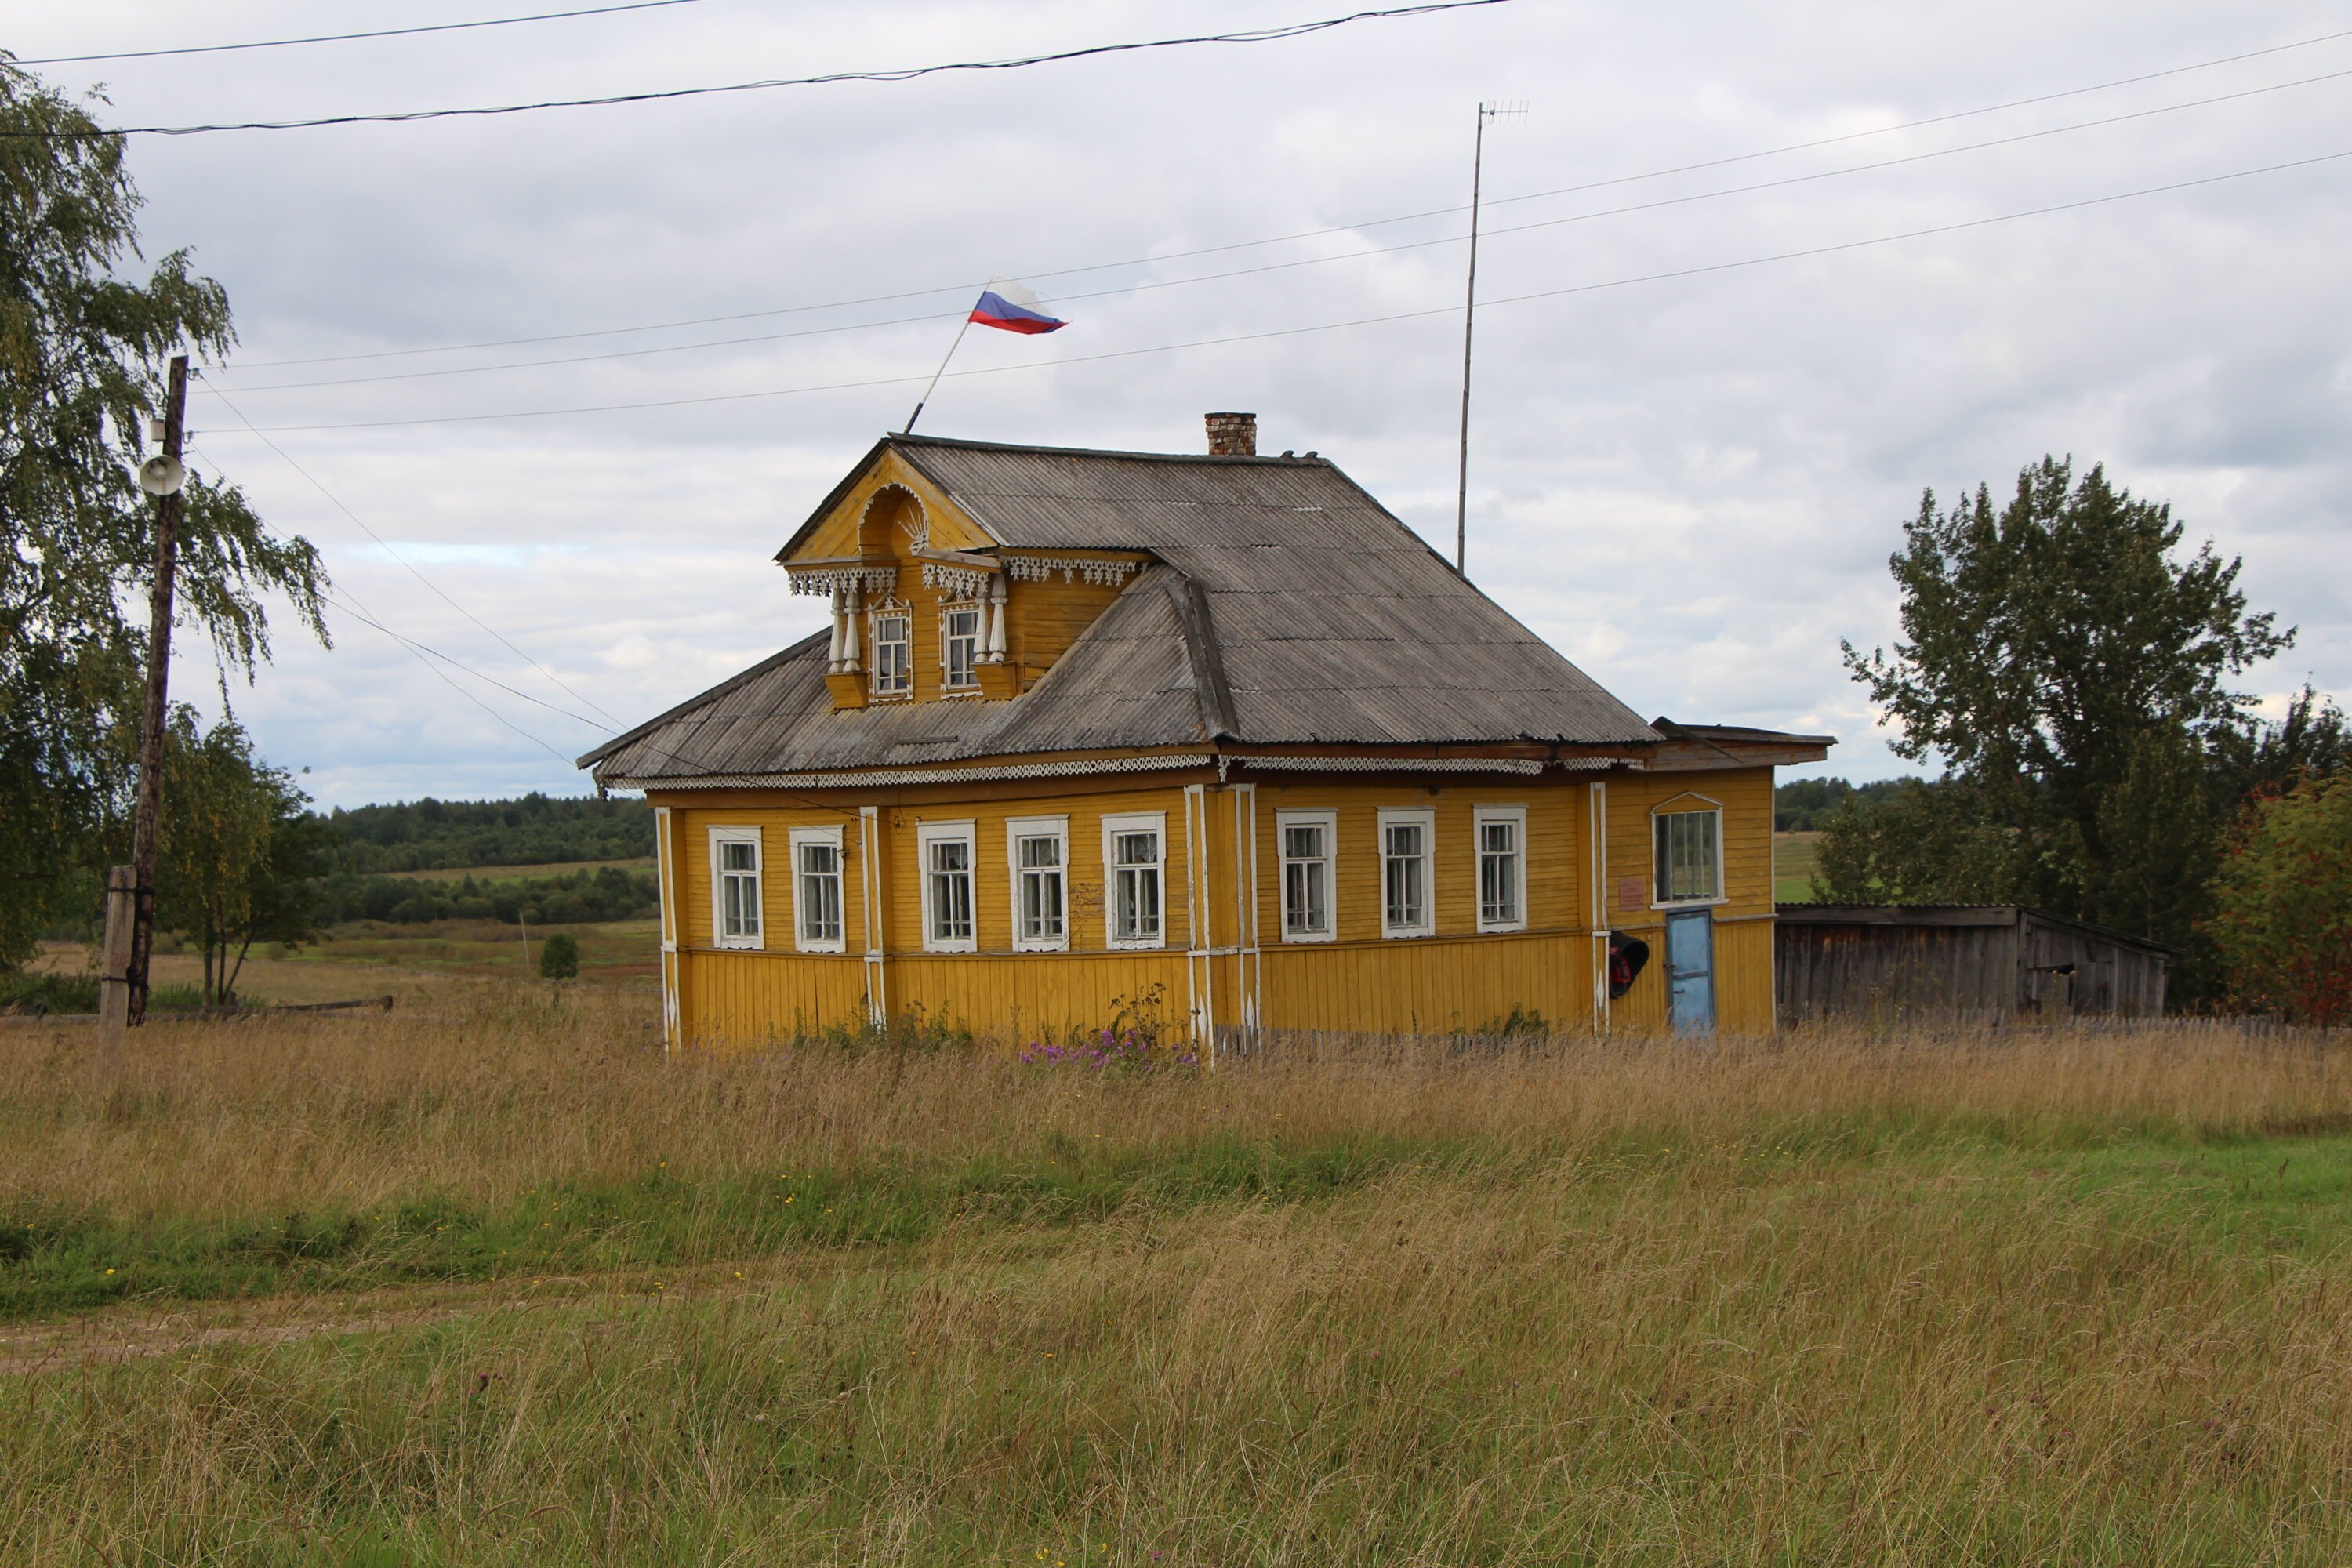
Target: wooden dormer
[(927, 607)]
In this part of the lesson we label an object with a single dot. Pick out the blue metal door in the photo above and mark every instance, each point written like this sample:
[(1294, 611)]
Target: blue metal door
[(1690, 971)]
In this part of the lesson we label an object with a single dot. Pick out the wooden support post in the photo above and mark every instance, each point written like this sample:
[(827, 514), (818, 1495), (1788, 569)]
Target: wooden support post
[(994, 610), (147, 822), (114, 965)]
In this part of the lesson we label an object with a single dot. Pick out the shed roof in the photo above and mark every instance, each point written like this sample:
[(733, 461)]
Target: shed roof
[(1285, 607), (1917, 917)]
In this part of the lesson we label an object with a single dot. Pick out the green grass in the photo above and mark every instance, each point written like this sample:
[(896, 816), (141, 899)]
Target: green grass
[(51, 1265), (1795, 858), (2286, 1196), (524, 1290), (1881, 1348), (2290, 1195), (608, 950)]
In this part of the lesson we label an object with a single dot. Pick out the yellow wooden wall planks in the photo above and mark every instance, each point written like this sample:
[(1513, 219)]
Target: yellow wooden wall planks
[(1743, 917), (1223, 953)]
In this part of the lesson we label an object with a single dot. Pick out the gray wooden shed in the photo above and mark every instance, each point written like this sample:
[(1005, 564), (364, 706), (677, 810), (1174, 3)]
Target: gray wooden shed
[(1988, 963)]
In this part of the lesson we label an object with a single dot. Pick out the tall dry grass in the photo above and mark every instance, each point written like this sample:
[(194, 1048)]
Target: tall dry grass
[(1672, 1370), (1814, 1299), (512, 1092)]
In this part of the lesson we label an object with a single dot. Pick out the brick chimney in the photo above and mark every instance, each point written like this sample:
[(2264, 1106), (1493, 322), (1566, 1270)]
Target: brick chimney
[(1232, 435)]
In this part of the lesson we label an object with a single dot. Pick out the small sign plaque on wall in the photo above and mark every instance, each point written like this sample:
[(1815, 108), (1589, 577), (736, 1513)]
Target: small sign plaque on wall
[(1629, 893)]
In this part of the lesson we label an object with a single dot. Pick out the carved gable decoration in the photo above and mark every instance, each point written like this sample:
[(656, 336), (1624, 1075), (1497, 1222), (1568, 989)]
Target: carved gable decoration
[(892, 535)]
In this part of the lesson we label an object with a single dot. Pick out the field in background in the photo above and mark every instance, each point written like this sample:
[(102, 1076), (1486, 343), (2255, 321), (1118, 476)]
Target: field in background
[(486, 874), (609, 950), (412, 963), (1795, 858), (514, 1287)]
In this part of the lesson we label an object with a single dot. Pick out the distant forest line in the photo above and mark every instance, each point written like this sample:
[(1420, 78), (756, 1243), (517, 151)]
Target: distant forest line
[(431, 835), (1806, 805)]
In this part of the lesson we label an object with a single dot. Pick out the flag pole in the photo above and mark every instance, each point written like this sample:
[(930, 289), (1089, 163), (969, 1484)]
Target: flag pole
[(917, 414)]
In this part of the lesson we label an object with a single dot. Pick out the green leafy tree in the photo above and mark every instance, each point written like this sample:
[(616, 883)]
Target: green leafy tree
[(1922, 844), (2073, 674), (240, 857), (559, 956), (2269, 759), (2283, 902), (82, 355), (1806, 805)]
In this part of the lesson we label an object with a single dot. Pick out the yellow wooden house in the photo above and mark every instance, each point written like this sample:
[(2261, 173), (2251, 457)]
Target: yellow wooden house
[(1091, 727)]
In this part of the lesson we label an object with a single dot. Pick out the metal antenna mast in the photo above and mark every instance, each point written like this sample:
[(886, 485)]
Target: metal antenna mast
[(1469, 321)]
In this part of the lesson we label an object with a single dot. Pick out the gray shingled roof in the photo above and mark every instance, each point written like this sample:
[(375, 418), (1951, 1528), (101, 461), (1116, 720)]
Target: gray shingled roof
[(1287, 608)]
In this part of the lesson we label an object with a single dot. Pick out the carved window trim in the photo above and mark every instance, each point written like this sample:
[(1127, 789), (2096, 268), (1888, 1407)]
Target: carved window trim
[(949, 637), (904, 613)]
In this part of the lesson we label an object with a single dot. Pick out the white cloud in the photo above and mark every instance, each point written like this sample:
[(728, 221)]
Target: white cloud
[(1691, 487)]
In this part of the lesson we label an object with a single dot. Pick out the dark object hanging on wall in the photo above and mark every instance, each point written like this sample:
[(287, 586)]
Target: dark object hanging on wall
[(1627, 954)]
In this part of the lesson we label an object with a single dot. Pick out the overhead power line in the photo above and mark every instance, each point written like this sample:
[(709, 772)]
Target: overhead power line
[(419, 652), (349, 37), (1398, 249), (1035, 274), (361, 524), (903, 73), (1669, 274), (345, 601)]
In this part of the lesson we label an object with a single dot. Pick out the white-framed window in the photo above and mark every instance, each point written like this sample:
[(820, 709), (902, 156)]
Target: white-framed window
[(1686, 861), (1135, 859), (816, 889), (1408, 841), (893, 664), (946, 848), (735, 887), (1307, 841), (1502, 836), (1039, 849), (960, 647)]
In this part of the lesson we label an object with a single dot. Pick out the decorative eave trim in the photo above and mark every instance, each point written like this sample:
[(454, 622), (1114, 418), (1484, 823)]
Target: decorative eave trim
[(963, 581), (1064, 767), (827, 579), (1525, 767), (1103, 573), (1601, 764)]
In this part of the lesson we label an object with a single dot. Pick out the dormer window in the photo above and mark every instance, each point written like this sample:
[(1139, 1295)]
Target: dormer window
[(960, 647), (894, 652)]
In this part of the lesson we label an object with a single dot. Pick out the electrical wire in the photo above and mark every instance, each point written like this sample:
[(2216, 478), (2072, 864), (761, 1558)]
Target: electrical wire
[(348, 38), (1491, 233), (343, 600), (1034, 274), (350, 603), (904, 73), (1436, 310), (361, 524), (420, 653), (352, 608)]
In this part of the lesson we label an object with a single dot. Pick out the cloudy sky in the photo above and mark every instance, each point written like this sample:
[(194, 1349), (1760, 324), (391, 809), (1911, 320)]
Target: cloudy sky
[(1688, 484)]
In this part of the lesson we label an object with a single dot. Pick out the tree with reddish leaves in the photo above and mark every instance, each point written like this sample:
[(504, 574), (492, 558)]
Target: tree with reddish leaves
[(2283, 902)]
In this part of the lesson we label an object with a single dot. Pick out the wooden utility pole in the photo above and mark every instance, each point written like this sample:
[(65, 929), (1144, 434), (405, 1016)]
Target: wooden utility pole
[(147, 823)]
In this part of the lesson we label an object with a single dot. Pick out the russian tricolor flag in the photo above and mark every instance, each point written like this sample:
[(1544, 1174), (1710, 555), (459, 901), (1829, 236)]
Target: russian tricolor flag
[(1008, 307)]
